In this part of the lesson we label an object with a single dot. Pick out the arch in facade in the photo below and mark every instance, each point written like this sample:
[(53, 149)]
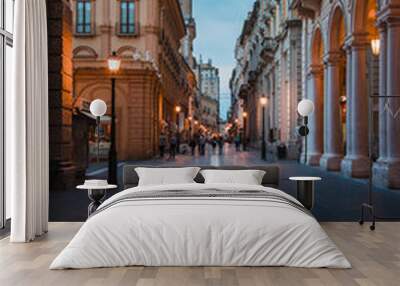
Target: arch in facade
[(84, 52), (364, 17), (101, 90), (336, 28), (126, 51), (317, 47)]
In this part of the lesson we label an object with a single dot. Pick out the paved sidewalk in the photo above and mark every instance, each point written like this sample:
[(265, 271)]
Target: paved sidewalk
[(337, 198)]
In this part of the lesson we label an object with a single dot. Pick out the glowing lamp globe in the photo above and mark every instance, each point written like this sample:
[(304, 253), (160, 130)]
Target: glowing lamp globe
[(263, 101), (305, 107), (98, 107), (375, 46), (114, 62)]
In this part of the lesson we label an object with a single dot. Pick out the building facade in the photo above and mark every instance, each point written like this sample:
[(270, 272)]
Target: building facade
[(209, 87), (154, 77), (268, 54), (322, 50)]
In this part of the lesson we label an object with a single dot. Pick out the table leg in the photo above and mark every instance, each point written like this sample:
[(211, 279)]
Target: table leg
[(305, 193), (96, 197)]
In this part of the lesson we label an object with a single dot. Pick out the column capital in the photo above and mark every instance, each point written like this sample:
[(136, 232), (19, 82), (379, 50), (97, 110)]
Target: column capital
[(333, 58), (357, 41), (315, 69), (390, 14)]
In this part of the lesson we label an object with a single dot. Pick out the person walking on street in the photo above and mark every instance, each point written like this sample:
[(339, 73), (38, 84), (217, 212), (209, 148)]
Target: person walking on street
[(213, 143), (172, 146), (237, 142), (202, 145), (220, 144), (192, 144), (162, 144)]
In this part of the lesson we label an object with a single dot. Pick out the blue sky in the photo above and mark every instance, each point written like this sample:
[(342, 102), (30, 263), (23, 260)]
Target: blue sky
[(219, 23)]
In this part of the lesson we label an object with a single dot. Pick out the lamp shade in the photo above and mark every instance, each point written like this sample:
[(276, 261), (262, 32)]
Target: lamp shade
[(305, 107), (375, 46), (98, 107), (114, 62), (263, 101), (178, 108)]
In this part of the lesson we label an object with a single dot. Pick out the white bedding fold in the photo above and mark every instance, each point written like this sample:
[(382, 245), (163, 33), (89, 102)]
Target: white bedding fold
[(200, 232)]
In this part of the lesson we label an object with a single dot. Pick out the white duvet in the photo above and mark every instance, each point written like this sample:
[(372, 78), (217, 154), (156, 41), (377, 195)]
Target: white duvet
[(200, 232)]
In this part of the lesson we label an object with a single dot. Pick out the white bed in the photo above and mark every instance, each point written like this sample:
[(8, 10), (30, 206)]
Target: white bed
[(201, 231)]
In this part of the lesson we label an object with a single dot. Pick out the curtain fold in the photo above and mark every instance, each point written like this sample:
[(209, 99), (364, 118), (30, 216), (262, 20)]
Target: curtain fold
[(27, 140)]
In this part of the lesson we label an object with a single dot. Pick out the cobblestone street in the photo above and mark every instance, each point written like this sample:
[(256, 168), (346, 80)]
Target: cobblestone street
[(337, 198)]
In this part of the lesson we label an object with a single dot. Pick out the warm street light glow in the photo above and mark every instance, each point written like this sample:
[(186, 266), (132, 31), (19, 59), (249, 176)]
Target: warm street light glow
[(263, 101), (98, 107), (196, 122), (190, 118), (236, 120), (244, 114), (114, 62), (305, 107), (376, 46), (178, 108)]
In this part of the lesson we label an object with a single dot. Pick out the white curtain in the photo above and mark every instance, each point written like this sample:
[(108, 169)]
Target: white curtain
[(27, 140)]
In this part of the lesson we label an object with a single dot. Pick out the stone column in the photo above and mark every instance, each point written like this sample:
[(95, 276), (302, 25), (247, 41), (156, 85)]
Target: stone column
[(387, 170), (379, 167), (63, 172), (333, 141), (316, 121), (356, 162)]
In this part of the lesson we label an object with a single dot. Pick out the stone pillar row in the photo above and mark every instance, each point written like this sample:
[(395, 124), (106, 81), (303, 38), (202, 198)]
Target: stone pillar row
[(356, 163), (333, 141), (386, 171), (316, 121)]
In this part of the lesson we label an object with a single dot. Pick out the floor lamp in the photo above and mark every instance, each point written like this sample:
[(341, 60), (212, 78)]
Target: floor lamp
[(369, 206), (98, 108), (305, 108)]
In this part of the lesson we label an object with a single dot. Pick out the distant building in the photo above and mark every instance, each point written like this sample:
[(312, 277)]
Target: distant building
[(209, 80), (209, 85)]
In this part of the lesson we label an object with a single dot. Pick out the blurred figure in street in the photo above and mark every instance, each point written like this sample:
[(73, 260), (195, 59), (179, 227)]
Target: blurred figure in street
[(192, 145), (202, 145), (213, 143), (237, 140), (162, 144), (172, 146), (220, 144)]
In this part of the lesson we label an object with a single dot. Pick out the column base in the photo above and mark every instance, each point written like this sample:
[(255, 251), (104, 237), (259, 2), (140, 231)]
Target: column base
[(356, 167), (293, 151), (314, 159), (331, 162), (63, 176), (386, 175)]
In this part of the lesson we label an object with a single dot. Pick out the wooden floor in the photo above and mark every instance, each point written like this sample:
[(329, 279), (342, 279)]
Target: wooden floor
[(375, 257)]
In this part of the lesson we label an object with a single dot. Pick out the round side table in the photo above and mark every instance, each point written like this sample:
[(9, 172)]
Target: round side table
[(305, 190), (96, 195)]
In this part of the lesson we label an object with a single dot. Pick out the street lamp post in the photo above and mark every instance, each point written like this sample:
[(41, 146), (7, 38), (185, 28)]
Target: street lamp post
[(98, 108), (114, 63), (177, 110), (305, 109), (263, 102), (190, 118), (244, 130)]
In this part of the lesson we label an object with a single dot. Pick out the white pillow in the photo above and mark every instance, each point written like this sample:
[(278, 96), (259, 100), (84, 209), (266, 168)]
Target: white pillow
[(247, 177), (166, 176)]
